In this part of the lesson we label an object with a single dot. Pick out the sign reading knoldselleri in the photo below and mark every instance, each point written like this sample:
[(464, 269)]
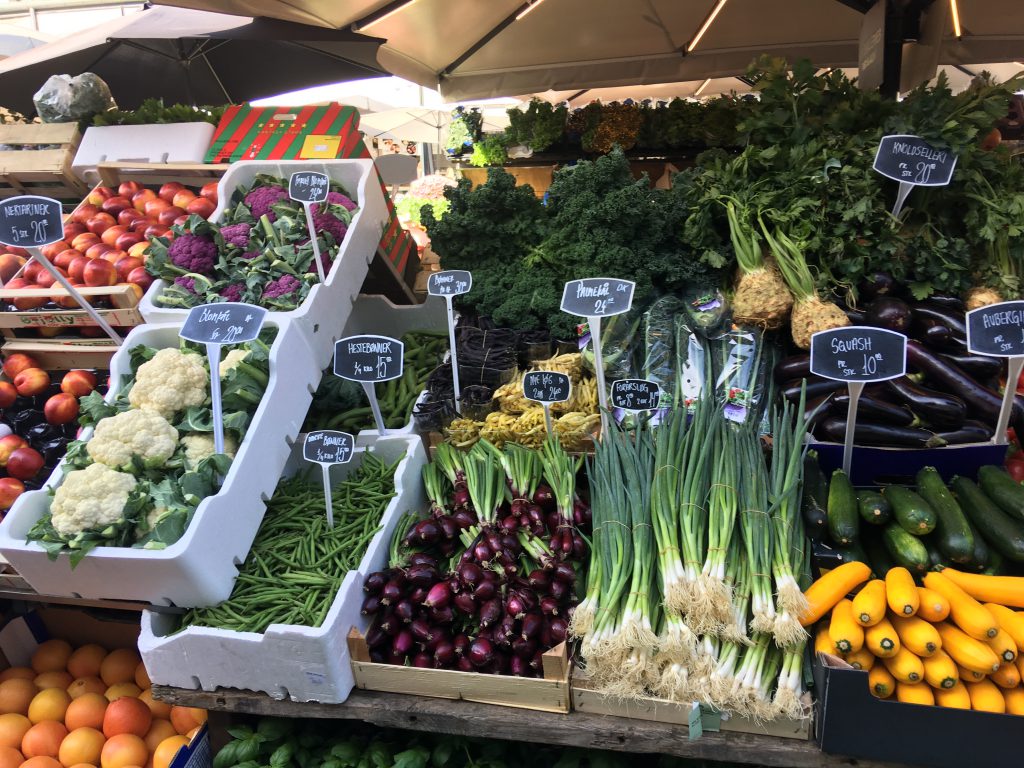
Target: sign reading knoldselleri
[(450, 282), (30, 221), (635, 395), (368, 358), (859, 353), (547, 387), (597, 296), (224, 323), (309, 186), (998, 331), (913, 162)]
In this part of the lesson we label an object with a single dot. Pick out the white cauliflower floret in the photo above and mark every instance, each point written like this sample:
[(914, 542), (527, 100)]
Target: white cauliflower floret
[(231, 361), (199, 446), (148, 523), (170, 382), (144, 433), (93, 497)]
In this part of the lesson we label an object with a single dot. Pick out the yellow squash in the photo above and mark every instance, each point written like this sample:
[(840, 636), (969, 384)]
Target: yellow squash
[(915, 693), (1011, 622), (1007, 676), (917, 635), (862, 659), (966, 612), (954, 698), (822, 642), (1014, 698), (869, 604), (882, 639), (881, 682), (934, 607), (968, 675), (966, 651), (901, 592), (1004, 646), (846, 634), (823, 594), (986, 696), (1020, 666), (905, 666), (940, 671), (1003, 590)]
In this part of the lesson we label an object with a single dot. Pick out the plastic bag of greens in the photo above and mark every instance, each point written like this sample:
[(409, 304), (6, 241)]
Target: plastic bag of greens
[(707, 309), (691, 368), (65, 99), (742, 359), (619, 337), (658, 358)]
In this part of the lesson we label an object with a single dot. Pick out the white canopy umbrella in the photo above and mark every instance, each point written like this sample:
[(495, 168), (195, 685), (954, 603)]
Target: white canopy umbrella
[(421, 124), (15, 39)]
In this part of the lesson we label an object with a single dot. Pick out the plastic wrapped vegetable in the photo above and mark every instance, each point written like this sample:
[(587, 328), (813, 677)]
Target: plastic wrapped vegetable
[(707, 309), (619, 335), (66, 99), (691, 362), (658, 361), (742, 366)]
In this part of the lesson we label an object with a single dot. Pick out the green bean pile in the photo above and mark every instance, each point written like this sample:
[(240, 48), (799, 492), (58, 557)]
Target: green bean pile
[(297, 563)]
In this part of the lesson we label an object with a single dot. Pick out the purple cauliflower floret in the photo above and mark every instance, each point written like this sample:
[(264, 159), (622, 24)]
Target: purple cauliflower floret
[(193, 253), (188, 283), (260, 199), (232, 292), (283, 286), (250, 254), (325, 222), (336, 198), (236, 234), (325, 260)]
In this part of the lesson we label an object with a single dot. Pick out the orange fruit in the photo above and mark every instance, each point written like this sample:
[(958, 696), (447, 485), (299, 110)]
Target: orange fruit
[(10, 757), (184, 719), (42, 761), (164, 754), (51, 656), (122, 690), (25, 673), (82, 745), (16, 694), (119, 666), (49, 704), (127, 715), (12, 729), (142, 677), (158, 708), (86, 711), (43, 739), (54, 680), (87, 685), (158, 732), (86, 661), (124, 750)]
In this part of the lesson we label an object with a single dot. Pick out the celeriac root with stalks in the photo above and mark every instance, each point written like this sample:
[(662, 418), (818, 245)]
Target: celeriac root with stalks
[(981, 297), (811, 315), (762, 298)]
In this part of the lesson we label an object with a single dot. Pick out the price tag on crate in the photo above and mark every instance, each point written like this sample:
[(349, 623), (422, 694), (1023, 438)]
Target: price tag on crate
[(309, 187), (547, 387), (449, 284), (998, 331), (328, 447), (30, 222), (858, 355), (913, 162), (635, 395), (217, 325), (594, 298), (368, 360)]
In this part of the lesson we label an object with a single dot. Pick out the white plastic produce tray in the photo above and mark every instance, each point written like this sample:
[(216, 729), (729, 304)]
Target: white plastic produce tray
[(170, 143), (322, 316), (287, 661), (200, 568)]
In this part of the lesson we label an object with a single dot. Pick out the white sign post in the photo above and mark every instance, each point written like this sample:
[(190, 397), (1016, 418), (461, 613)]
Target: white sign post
[(451, 283)]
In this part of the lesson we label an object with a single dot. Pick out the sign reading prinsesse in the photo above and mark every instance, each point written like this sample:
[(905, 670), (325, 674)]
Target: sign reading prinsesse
[(859, 353), (368, 358), (30, 221), (597, 296), (912, 160), (997, 330), (328, 446)]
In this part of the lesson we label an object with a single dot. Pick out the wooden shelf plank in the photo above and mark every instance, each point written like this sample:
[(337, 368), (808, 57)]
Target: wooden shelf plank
[(577, 729)]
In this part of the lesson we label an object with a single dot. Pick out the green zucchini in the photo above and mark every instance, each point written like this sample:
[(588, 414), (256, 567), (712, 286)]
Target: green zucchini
[(1002, 533), (995, 565), (910, 510), (814, 499), (854, 552), (952, 532), (982, 552), (874, 507), (878, 556), (1006, 492), (935, 557), (842, 510), (907, 550)]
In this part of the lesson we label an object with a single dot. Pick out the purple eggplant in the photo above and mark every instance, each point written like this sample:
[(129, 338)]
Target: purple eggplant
[(888, 312)]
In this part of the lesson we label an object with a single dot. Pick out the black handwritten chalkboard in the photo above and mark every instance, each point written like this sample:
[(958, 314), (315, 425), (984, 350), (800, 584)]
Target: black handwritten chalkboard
[(308, 186), (547, 387), (912, 160), (30, 221), (450, 282), (859, 353), (224, 323), (368, 358), (635, 394), (328, 446), (597, 296), (997, 330)]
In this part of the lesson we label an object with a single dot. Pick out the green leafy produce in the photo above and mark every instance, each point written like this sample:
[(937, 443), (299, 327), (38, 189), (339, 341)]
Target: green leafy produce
[(154, 111), (538, 127), (411, 208), (488, 151)]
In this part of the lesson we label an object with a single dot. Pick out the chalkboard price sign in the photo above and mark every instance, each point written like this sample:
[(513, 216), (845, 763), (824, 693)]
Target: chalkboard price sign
[(997, 330), (597, 296), (30, 221), (451, 282), (912, 160), (859, 354), (635, 394), (308, 186), (368, 359), (223, 323), (328, 447), (547, 387)]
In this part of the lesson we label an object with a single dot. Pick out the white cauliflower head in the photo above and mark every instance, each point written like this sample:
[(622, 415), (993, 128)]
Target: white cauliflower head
[(199, 446), (231, 361), (141, 433), (172, 381), (93, 497)]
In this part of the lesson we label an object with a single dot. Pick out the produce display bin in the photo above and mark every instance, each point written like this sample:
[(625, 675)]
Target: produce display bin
[(322, 315), (45, 172), (873, 466), (287, 661), (200, 568), (161, 143)]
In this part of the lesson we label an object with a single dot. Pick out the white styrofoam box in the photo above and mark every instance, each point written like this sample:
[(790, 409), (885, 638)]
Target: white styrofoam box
[(200, 568), (322, 315), (287, 661), (170, 143)]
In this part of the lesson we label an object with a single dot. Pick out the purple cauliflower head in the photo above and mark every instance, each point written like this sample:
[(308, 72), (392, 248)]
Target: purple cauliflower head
[(232, 292), (188, 283), (325, 260), (260, 199), (283, 286), (193, 253), (325, 222), (236, 234), (250, 254), (337, 198)]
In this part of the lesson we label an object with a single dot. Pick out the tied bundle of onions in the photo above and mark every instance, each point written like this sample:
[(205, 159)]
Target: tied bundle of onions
[(756, 530), (810, 314), (761, 297), (560, 472)]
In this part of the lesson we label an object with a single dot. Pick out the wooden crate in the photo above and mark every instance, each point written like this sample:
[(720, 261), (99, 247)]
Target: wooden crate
[(539, 177), (550, 694), (155, 174), (586, 699), (44, 172)]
